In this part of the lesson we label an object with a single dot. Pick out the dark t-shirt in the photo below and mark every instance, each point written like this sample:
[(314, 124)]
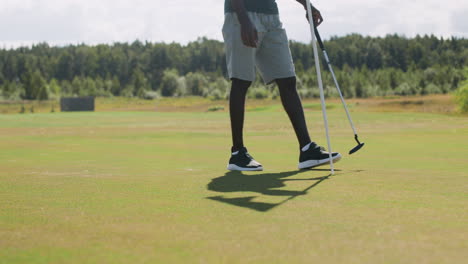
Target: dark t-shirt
[(256, 6)]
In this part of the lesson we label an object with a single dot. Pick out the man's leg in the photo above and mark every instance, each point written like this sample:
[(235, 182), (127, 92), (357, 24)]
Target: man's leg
[(311, 155), (240, 159), (293, 106), (236, 110)]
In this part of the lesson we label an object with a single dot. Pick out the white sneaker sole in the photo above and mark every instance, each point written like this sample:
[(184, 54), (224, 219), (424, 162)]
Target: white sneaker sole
[(315, 163), (233, 167)]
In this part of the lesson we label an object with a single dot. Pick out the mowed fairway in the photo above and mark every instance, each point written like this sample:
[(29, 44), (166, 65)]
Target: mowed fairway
[(149, 187)]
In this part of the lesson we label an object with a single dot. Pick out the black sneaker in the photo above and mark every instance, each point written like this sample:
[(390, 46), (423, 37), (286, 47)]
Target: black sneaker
[(242, 161), (316, 156)]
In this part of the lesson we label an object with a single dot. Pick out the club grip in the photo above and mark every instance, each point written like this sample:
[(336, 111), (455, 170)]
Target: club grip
[(319, 39)]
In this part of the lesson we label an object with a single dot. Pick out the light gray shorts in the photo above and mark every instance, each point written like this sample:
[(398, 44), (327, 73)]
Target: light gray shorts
[(272, 57)]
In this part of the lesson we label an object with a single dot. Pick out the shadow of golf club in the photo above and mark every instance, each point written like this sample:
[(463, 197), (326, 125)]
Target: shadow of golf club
[(265, 184)]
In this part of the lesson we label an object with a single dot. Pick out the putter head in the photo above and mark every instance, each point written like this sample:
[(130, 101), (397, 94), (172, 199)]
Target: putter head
[(356, 148)]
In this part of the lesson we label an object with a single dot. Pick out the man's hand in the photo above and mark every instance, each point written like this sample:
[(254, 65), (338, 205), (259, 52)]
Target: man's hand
[(249, 35), (318, 19)]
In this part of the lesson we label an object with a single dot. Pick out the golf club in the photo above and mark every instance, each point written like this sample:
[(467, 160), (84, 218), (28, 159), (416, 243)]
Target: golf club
[(319, 40), (320, 84)]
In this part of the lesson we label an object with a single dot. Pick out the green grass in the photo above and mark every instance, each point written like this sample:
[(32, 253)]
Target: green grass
[(149, 187)]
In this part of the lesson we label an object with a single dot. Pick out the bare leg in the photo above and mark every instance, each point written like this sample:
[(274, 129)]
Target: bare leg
[(293, 106), (236, 110)]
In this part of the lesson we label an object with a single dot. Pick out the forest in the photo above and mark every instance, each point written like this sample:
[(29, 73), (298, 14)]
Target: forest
[(365, 67)]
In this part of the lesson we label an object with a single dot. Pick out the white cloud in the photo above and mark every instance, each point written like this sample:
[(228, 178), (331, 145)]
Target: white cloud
[(107, 21), (459, 22), (382, 17)]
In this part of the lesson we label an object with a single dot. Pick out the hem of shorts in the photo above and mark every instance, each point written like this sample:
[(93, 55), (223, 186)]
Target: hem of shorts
[(267, 82), (256, 12), (241, 78)]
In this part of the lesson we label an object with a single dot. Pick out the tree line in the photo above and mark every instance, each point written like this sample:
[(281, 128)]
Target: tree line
[(365, 66)]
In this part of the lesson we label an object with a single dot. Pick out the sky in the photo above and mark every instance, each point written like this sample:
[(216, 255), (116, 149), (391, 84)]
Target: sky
[(62, 22)]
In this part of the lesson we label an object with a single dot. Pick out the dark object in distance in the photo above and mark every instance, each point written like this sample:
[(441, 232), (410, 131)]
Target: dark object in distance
[(70, 104)]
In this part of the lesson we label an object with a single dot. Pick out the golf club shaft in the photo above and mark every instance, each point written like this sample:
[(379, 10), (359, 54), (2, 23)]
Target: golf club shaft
[(320, 83), (325, 55)]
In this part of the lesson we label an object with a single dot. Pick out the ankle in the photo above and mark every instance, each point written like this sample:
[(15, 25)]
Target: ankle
[(307, 146), (237, 148)]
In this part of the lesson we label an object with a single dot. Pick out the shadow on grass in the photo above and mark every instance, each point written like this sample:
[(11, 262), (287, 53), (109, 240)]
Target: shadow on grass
[(265, 184)]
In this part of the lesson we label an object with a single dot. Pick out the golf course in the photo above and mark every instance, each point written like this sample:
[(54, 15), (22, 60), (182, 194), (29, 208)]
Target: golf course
[(151, 186)]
